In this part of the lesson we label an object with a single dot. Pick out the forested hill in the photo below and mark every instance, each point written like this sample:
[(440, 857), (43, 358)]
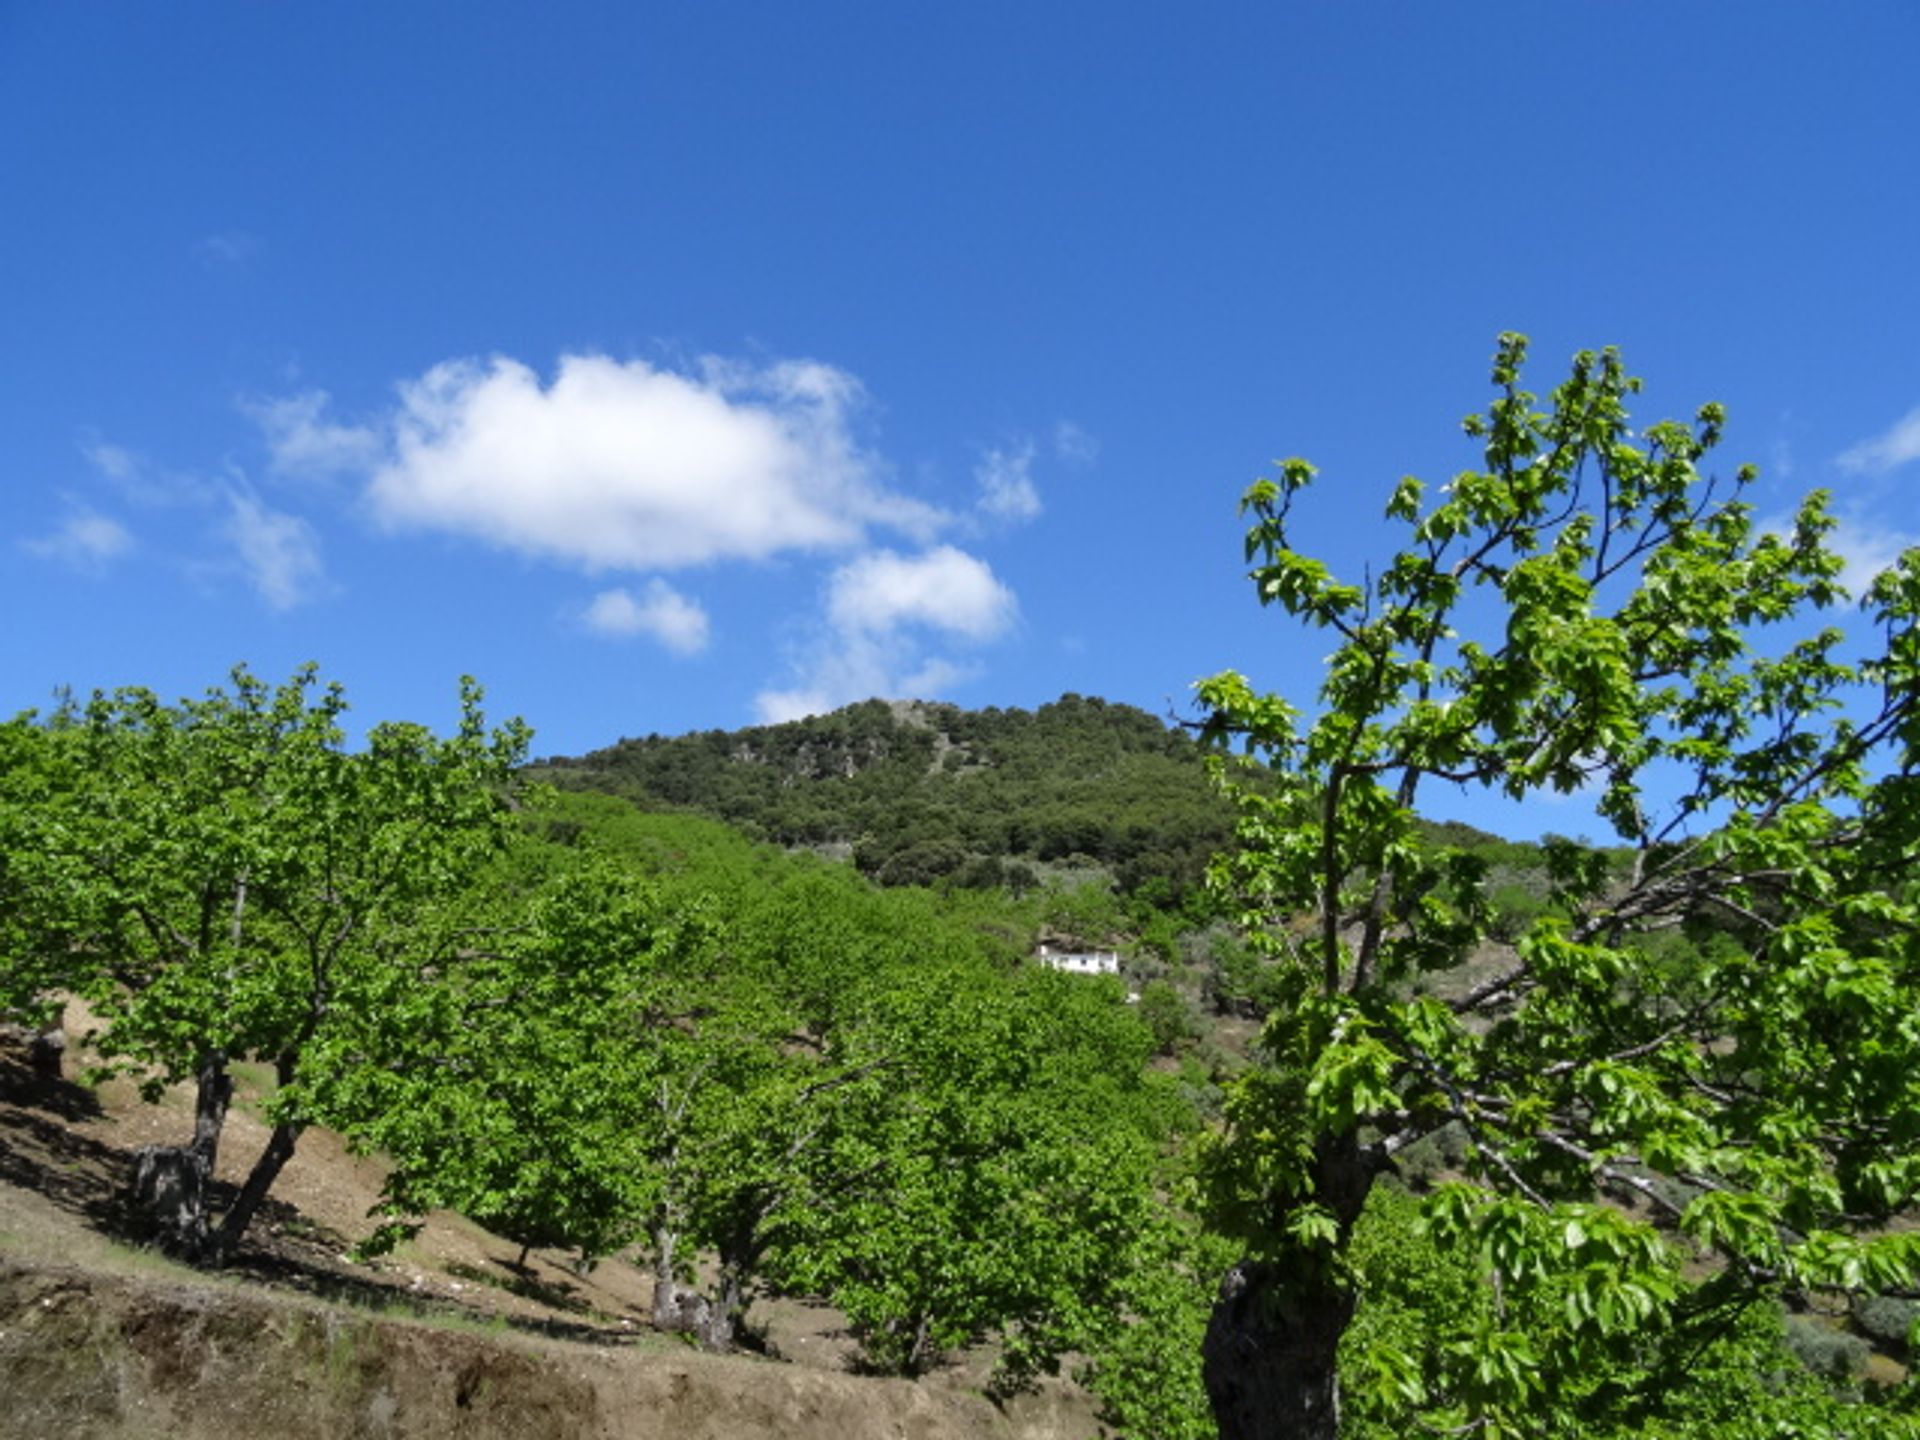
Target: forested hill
[(924, 792)]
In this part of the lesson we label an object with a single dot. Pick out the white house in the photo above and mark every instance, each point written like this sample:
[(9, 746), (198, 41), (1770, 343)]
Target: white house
[(1084, 962)]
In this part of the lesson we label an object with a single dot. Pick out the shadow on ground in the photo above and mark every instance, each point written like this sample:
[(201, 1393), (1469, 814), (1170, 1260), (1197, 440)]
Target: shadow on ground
[(44, 1148)]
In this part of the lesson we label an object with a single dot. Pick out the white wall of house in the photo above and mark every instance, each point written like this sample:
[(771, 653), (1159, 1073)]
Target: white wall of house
[(1083, 962)]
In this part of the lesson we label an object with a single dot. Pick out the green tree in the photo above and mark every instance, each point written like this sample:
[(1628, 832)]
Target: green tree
[(1584, 614), (1011, 1170), (532, 1116), (1424, 1306), (37, 947), (1144, 1361), (225, 879)]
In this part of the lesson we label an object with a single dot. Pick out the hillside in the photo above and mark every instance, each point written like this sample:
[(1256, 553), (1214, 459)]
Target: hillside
[(103, 1340), (918, 792)]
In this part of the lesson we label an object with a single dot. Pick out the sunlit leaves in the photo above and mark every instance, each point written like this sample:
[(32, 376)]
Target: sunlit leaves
[(1703, 1042)]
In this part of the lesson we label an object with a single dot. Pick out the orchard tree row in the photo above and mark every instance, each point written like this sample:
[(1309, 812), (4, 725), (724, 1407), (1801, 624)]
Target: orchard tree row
[(582, 1027)]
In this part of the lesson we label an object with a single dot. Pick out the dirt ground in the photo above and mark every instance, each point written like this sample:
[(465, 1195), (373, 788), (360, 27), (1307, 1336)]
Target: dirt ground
[(72, 1286)]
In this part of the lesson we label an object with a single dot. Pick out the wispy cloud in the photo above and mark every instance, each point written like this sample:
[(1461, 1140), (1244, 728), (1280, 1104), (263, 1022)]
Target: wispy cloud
[(85, 540), (1887, 451), (1006, 483), (280, 552), (624, 466), (226, 248), (115, 462), (1867, 549), (138, 481), (661, 612), (302, 441), (1074, 445), (859, 667), (881, 609)]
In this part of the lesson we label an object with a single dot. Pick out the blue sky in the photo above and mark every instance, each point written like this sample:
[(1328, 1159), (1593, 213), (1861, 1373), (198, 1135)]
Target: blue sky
[(670, 367)]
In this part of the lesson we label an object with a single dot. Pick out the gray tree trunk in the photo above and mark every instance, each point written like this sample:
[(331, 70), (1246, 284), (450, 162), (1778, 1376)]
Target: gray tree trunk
[(170, 1181), (676, 1308), (213, 1094), (170, 1191), (722, 1329)]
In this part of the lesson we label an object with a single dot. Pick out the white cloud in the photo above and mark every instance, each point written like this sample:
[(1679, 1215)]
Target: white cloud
[(281, 553), (113, 461), (87, 540), (880, 607), (302, 441), (945, 589), (856, 668), (1885, 452), (1006, 483), (1867, 549), (618, 465), (859, 667), (138, 481), (1074, 445), (664, 613)]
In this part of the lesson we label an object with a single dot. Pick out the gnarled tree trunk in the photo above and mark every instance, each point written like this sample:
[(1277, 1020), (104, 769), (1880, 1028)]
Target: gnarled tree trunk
[(46, 1050), (1269, 1358), (676, 1308), (721, 1331), (1269, 1354), (170, 1181)]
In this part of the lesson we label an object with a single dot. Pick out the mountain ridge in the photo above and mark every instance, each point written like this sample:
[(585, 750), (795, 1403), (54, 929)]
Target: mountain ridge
[(926, 792)]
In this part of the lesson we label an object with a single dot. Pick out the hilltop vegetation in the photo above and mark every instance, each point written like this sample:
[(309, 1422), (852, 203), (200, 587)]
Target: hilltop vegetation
[(920, 793)]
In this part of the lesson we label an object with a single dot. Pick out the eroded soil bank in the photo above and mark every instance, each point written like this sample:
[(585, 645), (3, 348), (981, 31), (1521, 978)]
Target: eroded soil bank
[(92, 1356)]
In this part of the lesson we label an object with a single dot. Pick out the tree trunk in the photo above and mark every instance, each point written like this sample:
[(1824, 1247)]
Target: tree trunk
[(213, 1093), (170, 1192), (676, 1309), (722, 1329), (1269, 1354), (45, 1052), (260, 1179), (170, 1181), (1269, 1358)]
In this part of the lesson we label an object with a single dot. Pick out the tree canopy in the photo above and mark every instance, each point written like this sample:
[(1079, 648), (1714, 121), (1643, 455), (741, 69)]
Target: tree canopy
[(1691, 1083), (930, 792), (224, 878)]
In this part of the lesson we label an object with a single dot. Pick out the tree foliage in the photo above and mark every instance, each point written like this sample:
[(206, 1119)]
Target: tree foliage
[(929, 793), (1585, 613), (660, 1037), (224, 878)]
